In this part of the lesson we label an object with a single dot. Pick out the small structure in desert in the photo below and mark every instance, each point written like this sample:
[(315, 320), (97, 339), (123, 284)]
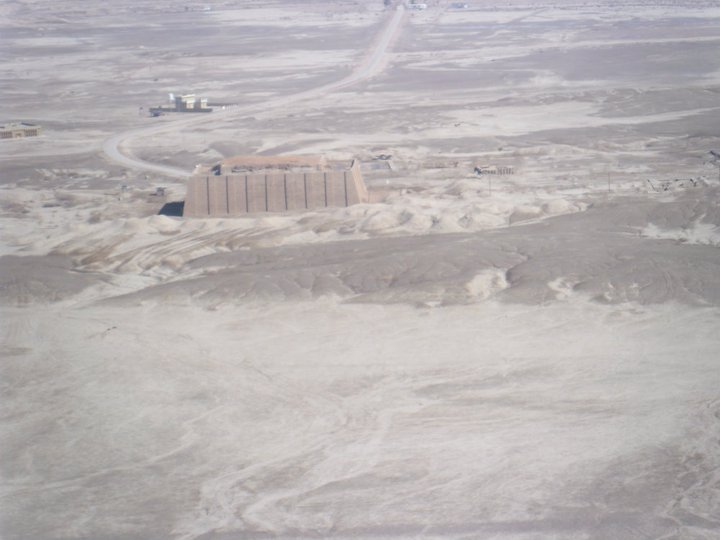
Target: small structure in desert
[(492, 169), (186, 103), (18, 130), (250, 184), (191, 103)]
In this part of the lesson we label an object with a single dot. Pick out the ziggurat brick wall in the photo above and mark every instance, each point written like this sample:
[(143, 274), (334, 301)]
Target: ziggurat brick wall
[(250, 185)]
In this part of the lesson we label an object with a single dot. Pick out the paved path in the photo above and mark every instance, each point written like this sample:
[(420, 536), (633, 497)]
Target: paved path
[(374, 62)]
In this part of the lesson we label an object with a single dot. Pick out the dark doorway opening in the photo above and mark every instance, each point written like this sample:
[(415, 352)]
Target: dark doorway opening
[(172, 209)]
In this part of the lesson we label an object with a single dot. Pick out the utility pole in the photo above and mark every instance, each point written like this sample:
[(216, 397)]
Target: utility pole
[(608, 179)]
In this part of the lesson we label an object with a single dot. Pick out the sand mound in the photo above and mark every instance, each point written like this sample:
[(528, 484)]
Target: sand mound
[(25, 280), (595, 254)]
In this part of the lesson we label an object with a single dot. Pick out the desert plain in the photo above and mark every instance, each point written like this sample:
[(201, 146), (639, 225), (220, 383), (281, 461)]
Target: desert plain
[(532, 355)]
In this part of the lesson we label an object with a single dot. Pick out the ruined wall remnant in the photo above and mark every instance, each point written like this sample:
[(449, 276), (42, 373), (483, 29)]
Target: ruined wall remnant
[(239, 186)]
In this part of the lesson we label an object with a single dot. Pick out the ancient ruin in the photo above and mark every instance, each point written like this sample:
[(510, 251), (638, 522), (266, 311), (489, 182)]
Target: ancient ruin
[(250, 184)]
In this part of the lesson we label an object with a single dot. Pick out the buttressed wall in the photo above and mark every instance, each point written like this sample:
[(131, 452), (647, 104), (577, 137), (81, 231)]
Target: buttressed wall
[(239, 186)]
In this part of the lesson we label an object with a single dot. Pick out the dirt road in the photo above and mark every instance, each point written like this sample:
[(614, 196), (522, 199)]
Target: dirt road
[(116, 147)]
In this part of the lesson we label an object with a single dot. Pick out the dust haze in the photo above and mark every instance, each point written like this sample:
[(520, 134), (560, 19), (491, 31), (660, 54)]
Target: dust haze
[(516, 337)]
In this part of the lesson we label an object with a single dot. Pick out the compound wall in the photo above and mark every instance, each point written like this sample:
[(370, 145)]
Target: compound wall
[(274, 191)]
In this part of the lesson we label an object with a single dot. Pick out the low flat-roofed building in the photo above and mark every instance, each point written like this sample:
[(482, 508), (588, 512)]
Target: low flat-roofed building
[(252, 184), (186, 103), (18, 130), (189, 102)]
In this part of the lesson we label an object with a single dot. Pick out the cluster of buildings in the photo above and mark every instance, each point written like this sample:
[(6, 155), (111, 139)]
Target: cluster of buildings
[(18, 130), (253, 184), (183, 103)]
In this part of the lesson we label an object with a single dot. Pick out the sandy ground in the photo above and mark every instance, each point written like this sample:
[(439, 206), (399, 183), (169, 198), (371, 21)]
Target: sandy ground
[(530, 356)]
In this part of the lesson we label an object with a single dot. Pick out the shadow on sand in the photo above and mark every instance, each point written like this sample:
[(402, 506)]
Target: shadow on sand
[(172, 209)]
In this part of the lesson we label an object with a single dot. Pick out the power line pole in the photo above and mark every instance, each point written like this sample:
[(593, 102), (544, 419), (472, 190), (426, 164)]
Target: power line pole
[(715, 160)]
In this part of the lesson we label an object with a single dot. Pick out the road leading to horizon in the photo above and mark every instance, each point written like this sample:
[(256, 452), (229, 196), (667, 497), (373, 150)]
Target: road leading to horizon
[(372, 64)]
